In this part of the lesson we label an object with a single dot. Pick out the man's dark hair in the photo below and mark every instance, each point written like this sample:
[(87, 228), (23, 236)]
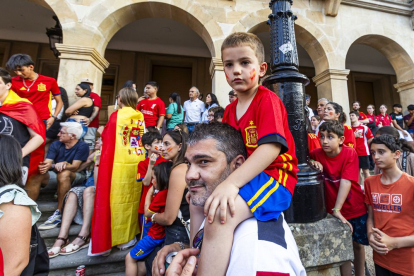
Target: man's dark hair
[(4, 74), (356, 102), (153, 84), (356, 113), (149, 137), (410, 107), (18, 60), (387, 140), (10, 161), (219, 114), (228, 139), (333, 127), (397, 105), (162, 173)]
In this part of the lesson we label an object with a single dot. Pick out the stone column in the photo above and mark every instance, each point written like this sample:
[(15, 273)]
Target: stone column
[(332, 84), (77, 62), (220, 86), (406, 91)]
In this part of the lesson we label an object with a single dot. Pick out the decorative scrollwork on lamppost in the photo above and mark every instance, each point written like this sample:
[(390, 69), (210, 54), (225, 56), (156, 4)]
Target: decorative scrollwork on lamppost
[(55, 35)]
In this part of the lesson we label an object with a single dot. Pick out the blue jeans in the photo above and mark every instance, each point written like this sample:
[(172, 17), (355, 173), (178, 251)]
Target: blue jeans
[(190, 128)]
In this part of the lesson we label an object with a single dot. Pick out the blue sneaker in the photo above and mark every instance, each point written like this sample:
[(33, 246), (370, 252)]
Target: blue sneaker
[(52, 222)]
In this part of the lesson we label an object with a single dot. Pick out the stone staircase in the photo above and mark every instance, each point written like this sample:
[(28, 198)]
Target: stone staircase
[(112, 265)]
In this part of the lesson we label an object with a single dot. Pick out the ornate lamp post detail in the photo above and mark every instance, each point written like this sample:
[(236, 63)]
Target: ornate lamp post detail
[(55, 36), (308, 202)]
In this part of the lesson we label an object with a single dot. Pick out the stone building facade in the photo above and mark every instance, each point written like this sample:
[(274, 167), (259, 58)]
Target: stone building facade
[(325, 31)]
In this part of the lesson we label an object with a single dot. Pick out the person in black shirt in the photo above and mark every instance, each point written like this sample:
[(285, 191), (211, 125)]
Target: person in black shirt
[(397, 119)]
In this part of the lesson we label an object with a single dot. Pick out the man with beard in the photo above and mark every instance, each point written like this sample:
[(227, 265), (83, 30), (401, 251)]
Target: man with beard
[(214, 151)]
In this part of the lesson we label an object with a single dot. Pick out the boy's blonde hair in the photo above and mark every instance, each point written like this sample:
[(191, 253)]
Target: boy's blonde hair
[(245, 39)]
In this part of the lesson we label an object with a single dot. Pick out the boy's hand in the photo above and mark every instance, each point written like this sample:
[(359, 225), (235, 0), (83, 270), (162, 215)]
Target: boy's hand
[(338, 215), (153, 159), (316, 165), (223, 195), (376, 245), (384, 239)]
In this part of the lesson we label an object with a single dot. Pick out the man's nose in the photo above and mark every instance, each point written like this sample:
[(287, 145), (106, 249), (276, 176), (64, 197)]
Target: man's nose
[(192, 173)]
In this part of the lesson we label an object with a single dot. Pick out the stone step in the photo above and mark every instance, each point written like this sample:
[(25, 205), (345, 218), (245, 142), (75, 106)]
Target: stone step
[(47, 208), (114, 264), (49, 236)]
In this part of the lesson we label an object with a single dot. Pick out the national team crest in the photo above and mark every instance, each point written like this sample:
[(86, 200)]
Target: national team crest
[(251, 135), (41, 87), (131, 137)]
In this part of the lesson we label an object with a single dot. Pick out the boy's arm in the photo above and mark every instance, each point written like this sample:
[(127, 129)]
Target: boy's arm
[(147, 179), (148, 200), (226, 192), (344, 187), (376, 245)]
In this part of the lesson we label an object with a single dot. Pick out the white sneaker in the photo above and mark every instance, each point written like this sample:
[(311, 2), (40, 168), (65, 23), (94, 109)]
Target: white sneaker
[(52, 222)]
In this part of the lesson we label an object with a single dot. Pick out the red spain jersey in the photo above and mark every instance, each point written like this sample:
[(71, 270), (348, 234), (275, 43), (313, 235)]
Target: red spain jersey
[(152, 110), (157, 205), (365, 134), (96, 102), (362, 116), (385, 120), (39, 94), (313, 142), (372, 119), (265, 121)]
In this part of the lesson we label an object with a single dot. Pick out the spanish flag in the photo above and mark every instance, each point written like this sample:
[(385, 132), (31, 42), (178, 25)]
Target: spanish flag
[(117, 196), (23, 111)]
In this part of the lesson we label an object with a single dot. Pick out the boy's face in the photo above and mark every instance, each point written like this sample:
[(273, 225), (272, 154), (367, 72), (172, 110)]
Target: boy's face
[(383, 156), (150, 90), (397, 109), (353, 118), (4, 87), (242, 68), (330, 142), (155, 147), (219, 120), (411, 111), (24, 71), (210, 116), (232, 98)]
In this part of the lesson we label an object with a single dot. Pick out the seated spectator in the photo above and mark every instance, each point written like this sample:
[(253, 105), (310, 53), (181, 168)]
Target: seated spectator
[(211, 112), (398, 119), (313, 140), (315, 120), (372, 119), (335, 112), (409, 119), (307, 108), (175, 112), (65, 157), (18, 213), (78, 207), (383, 118), (52, 132), (218, 115), (232, 96), (211, 101), (407, 151), (183, 128)]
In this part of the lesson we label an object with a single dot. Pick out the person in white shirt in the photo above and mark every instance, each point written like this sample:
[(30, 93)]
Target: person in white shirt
[(310, 111), (214, 151), (193, 109)]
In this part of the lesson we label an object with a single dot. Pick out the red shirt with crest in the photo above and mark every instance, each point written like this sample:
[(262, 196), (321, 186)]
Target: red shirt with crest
[(157, 205), (265, 121)]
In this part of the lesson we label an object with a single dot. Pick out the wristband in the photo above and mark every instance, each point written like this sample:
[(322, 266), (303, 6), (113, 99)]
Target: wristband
[(182, 246), (54, 117), (336, 209), (152, 218)]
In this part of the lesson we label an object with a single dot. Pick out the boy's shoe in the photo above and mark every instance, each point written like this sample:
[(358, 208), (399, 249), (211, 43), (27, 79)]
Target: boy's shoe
[(52, 222)]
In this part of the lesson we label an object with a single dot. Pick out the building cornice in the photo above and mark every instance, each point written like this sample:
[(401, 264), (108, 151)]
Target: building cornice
[(82, 53), (404, 85), (216, 64), (329, 74), (395, 7)]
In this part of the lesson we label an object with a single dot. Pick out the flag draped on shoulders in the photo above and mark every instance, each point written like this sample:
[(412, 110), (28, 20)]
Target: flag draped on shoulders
[(117, 197), (23, 111)]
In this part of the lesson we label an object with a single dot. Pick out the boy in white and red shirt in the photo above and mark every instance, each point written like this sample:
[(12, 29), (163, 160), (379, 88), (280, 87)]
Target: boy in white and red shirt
[(343, 195), (390, 201), (363, 137), (152, 107)]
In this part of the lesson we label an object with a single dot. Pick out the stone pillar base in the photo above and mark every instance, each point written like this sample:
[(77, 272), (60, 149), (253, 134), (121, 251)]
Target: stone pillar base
[(323, 245)]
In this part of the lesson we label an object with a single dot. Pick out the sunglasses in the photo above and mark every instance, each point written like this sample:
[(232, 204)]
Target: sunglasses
[(198, 239)]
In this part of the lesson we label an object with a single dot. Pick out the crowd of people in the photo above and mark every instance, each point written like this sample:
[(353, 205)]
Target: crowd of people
[(209, 181)]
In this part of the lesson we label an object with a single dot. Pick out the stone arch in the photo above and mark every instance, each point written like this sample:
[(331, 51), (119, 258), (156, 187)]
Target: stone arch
[(109, 17), (308, 36), (398, 57), (61, 8)]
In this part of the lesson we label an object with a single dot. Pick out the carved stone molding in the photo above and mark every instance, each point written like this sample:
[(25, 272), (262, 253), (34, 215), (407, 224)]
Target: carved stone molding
[(332, 7), (216, 65), (82, 53), (329, 74), (405, 85)]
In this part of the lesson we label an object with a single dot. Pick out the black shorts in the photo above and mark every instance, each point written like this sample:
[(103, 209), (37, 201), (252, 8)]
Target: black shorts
[(380, 271), (359, 225), (363, 162), (53, 131)]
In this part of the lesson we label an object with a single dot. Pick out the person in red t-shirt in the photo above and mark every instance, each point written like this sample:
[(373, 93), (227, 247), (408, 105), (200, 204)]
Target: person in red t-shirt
[(313, 142), (38, 89), (383, 118), (93, 121), (363, 137), (152, 142), (343, 195), (335, 112), (390, 201), (363, 119), (154, 204), (152, 107)]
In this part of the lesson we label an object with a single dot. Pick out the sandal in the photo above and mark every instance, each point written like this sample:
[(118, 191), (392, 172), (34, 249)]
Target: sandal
[(55, 251), (73, 248)]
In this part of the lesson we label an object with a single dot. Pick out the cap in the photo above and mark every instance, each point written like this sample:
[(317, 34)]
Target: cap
[(87, 80)]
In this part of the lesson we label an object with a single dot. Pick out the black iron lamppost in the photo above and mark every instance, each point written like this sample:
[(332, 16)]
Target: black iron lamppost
[(308, 202), (55, 36)]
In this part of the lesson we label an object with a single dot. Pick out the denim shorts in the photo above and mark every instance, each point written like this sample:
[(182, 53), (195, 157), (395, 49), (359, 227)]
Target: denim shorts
[(359, 225)]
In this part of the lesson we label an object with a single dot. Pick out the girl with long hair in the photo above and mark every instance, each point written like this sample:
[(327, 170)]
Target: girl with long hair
[(174, 112), (211, 101)]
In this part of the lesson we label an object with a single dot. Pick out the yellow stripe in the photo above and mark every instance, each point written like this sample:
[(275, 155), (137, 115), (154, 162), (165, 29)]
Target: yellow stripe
[(283, 157), (280, 176), (284, 166), (150, 212), (265, 197), (289, 156), (260, 191), (284, 180)]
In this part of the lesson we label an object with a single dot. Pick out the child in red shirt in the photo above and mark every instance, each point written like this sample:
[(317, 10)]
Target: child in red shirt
[(383, 118), (343, 195), (267, 179), (152, 107), (152, 143), (155, 204), (390, 201), (363, 137)]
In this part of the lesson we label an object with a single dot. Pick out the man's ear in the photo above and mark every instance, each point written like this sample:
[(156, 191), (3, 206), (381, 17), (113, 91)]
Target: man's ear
[(237, 162)]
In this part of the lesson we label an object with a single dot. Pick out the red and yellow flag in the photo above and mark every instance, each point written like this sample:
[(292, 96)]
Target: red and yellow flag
[(23, 111), (117, 197)]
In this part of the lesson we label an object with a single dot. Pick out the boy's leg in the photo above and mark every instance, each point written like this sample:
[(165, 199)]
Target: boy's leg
[(218, 240), (142, 270), (131, 266), (346, 269), (359, 259)]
